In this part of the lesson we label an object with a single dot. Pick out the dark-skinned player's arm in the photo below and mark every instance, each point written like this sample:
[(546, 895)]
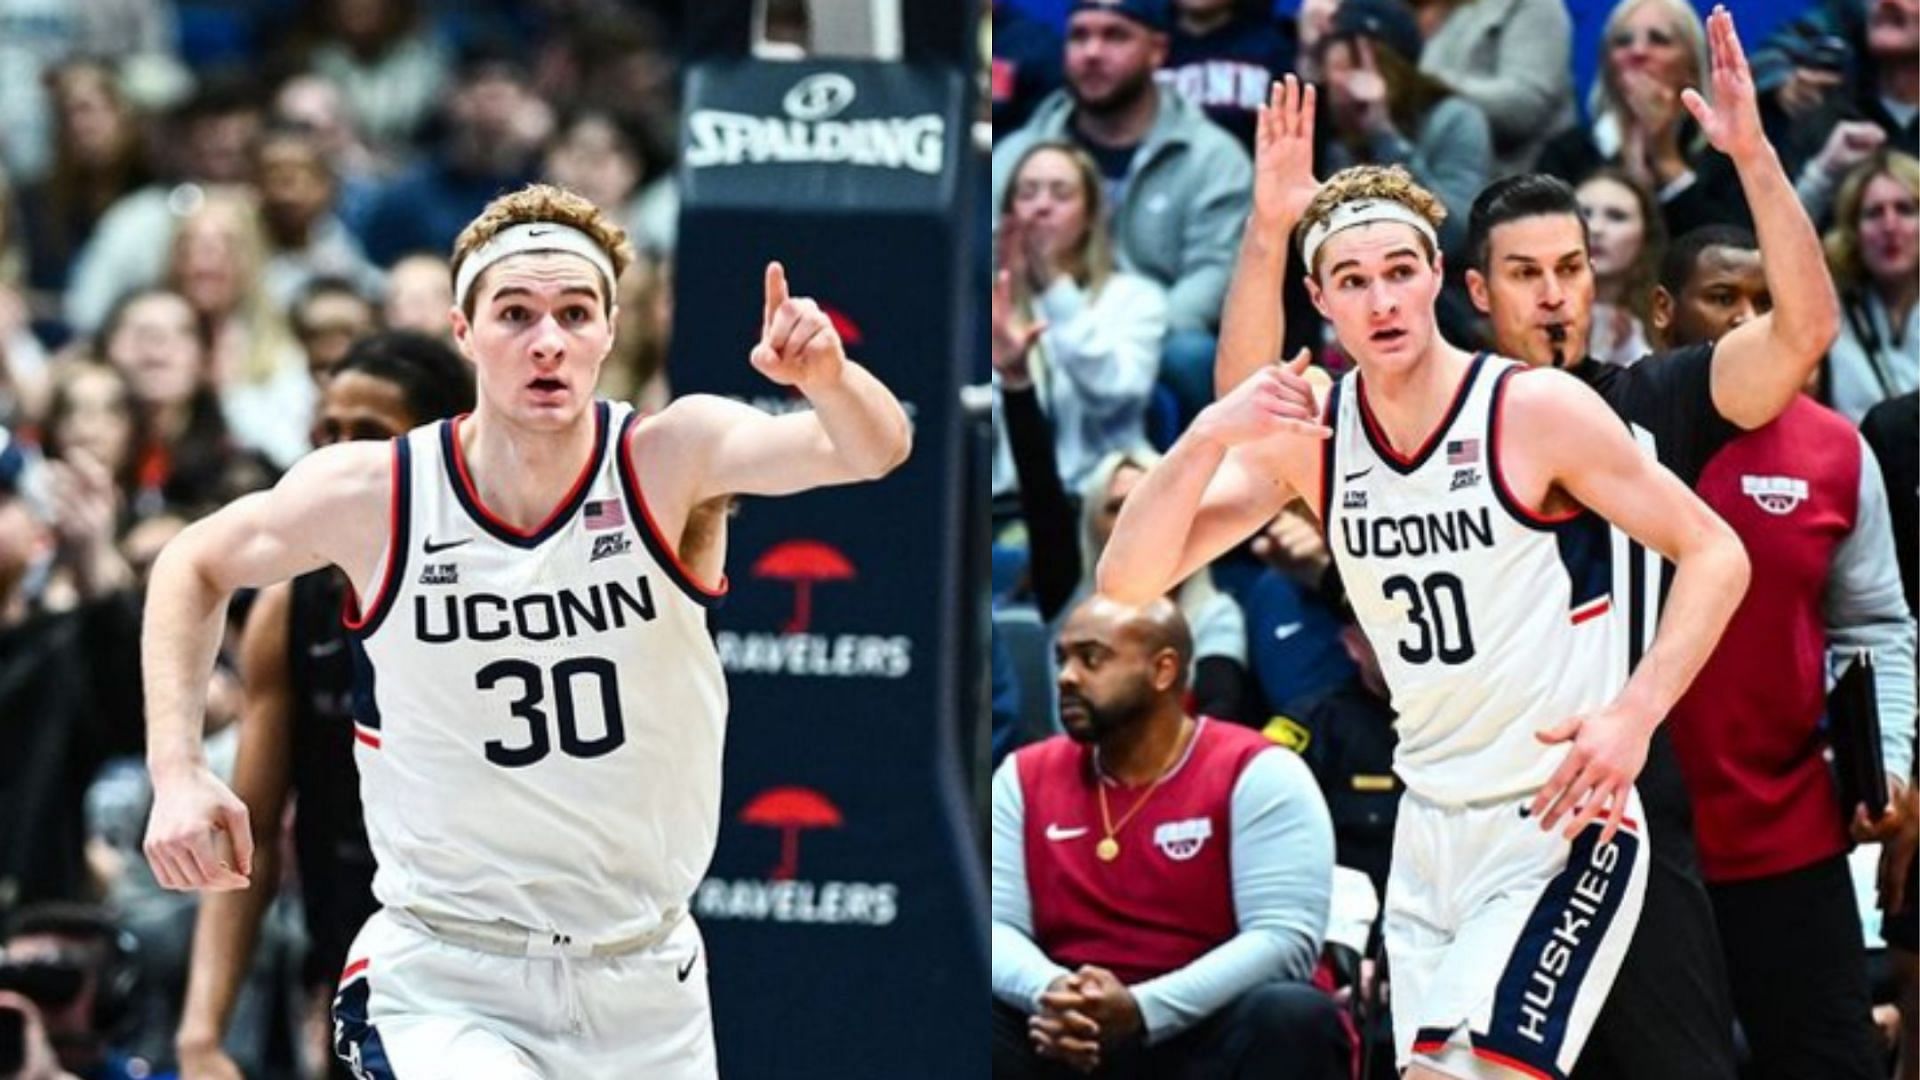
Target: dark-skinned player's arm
[(228, 924), (1559, 435), (330, 508), (1759, 367)]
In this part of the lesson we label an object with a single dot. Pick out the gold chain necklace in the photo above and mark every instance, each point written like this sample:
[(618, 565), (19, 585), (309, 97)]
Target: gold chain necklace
[(1108, 849)]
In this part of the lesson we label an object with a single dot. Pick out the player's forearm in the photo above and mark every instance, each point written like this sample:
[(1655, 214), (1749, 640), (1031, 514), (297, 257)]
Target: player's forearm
[(1253, 322), (1806, 314), (863, 420), (1708, 582), (1142, 558), (224, 935), (178, 641)]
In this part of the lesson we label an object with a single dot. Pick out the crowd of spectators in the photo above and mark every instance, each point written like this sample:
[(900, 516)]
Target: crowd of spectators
[(204, 206)]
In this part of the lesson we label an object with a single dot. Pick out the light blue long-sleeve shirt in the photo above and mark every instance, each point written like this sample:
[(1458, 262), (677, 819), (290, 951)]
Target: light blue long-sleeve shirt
[(1281, 851)]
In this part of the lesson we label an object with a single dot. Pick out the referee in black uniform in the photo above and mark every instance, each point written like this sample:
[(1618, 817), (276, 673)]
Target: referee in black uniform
[(1670, 1016)]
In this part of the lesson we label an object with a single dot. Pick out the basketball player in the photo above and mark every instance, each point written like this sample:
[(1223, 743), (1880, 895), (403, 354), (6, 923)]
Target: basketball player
[(296, 727), (1531, 274), (539, 707), (1466, 501)]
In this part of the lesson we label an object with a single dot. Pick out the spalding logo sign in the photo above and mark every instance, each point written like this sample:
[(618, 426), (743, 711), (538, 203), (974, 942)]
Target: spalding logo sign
[(811, 133), (819, 97)]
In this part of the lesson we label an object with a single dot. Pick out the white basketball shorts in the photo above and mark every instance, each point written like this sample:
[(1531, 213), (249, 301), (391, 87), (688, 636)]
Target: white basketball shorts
[(1503, 939), (412, 1006)]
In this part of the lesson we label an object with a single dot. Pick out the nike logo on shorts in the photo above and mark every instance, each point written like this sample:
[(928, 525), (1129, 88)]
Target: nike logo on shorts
[(435, 549), (1057, 834), (687, 969)]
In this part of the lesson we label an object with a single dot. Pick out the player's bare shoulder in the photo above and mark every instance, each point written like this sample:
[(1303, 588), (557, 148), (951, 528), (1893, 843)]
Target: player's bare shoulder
[(669, 449), (1545, 405), (1551, 429), (334, 506), (352, 478), (689, 420), (683, 435)]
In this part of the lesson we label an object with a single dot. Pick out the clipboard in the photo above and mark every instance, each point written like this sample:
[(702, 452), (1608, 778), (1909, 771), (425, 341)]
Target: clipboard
[(1853, 725)]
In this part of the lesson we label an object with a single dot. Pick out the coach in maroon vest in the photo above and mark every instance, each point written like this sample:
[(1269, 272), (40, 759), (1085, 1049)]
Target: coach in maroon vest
[(1808, 502), (1160, 882)]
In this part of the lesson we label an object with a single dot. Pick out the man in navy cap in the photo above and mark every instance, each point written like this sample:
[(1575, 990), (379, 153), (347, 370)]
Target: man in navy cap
[(1224, 56), (1178, 184)]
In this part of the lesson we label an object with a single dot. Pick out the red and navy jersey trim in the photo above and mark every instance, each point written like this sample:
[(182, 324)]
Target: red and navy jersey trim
[(1522, 513), (1430, 1040), (663, 552), (399, 538), (356, 1039), (1377, 436), (1329, 449), (366, 701), (1584, 537), (1515, 1064), (469, 498)]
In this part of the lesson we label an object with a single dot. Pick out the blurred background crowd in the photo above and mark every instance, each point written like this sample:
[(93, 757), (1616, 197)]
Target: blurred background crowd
[(205, 207)]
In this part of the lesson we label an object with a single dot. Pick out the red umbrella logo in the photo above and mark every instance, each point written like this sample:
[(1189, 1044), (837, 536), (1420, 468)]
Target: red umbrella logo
[(802, 562), (790, 809), (848, 330)]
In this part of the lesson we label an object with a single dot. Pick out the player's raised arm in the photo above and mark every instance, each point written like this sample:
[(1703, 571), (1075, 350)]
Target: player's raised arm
[(1760, 366), (1232, 471), (329, 508), (855, 431)]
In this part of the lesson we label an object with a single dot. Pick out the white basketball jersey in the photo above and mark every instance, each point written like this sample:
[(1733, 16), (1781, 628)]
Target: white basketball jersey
[(1491, 623), (539, 715)]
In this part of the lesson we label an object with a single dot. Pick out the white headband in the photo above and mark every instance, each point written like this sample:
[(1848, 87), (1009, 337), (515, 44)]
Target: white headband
[(1364, 212), (529, 237)]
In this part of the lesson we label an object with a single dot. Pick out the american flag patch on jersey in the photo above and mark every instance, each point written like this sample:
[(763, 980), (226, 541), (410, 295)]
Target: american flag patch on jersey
[(1463, 451), (605, 514)]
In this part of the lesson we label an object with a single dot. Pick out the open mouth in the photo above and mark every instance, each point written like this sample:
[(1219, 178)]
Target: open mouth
[(1388, 336), (547, 386)]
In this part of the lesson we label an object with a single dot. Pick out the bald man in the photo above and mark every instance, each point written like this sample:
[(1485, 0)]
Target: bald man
[(1160, 882)]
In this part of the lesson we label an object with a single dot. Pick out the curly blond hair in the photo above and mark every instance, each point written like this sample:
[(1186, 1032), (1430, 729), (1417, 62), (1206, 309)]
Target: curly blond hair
[(1372, 182), (542, 202)]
